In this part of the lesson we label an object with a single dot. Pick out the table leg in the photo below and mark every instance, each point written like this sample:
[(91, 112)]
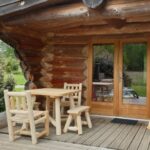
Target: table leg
[(58, 116)]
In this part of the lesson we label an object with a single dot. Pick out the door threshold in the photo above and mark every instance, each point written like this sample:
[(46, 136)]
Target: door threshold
[(112, 117)]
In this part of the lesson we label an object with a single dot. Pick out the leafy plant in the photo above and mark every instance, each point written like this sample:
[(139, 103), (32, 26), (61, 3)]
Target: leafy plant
[(2, 108), (9, 83)]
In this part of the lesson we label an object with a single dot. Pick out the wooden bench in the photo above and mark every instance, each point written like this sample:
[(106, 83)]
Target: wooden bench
[(75, 113)]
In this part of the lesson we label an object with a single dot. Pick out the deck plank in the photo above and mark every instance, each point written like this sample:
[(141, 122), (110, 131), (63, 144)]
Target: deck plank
[(72, 135), (98, 134), (104, 136), (138, 138), (25, 144), (127, 141), (145, 141), (113, 136), (82, 138), (116, 143)]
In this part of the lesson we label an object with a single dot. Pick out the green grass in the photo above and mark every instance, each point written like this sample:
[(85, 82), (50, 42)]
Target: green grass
[(19, 89), (19, 79), (140, 89)]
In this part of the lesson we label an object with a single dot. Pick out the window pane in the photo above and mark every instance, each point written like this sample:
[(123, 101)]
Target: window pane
[(134, 73), (103, 70)]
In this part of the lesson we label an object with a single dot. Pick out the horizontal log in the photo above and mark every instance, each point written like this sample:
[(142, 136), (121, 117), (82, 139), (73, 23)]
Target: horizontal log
[(107, 30), (65, 69), (59, 40), (21, 31), (33, 60), (16, 7), (80, 12), (67, 63), (31, 52), (89, 38), (55, 72), (66, 80)]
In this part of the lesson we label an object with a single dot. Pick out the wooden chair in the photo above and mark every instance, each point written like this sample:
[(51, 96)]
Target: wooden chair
[(77, 96), (75, 114), (21, 112)]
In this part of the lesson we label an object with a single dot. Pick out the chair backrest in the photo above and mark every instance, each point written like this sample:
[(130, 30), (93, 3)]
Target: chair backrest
[(18, 103), (76, 96)]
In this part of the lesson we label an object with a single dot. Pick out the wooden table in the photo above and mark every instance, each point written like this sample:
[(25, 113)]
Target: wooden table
[(55, 94)]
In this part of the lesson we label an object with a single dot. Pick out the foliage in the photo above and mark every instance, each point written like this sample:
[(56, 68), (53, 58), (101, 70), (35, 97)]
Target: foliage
[(11, 63), (2, 108), (19, 79), (8, 64), (103, 55), (9, 83), (134, 56), (140, 89)]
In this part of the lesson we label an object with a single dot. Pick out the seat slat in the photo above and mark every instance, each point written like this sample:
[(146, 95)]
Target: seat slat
[(78, 109)]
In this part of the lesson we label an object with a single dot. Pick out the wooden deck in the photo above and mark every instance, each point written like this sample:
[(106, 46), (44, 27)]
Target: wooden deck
[(104, 134)]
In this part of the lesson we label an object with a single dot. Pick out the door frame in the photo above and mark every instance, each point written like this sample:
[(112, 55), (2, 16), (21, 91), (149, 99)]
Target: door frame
[(114, 109), (133, 110), (102, 108)]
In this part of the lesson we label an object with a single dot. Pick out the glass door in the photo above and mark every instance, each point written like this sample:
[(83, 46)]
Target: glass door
[(133, 80), (103, 78)]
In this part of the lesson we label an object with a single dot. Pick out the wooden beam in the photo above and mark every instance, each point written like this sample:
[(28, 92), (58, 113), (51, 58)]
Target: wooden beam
[(4, 3), (106, 30), (79, 11), (69, 40), (16, 7), (21, 31)]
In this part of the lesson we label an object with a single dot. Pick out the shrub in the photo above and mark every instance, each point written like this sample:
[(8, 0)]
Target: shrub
[(9, 83), (2, 105)]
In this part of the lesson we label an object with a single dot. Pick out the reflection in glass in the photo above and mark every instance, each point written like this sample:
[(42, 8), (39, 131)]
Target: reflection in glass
[(134, 73), (103, 68)]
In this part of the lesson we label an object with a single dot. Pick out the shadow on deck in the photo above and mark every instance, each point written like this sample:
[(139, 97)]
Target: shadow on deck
[(104, 134)]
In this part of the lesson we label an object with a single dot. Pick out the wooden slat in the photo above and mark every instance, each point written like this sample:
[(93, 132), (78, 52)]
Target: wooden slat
[(137, 139), (113, 136), (91, 140), (86, 133), (115, 144), (144, 145), (127, 141), (104, 136)]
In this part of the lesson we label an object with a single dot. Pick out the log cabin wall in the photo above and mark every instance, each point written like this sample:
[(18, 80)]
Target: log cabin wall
[(51, 38), (64, 63)]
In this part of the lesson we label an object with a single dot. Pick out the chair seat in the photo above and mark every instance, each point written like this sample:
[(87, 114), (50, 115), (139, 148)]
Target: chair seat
[(20, 118), (78, 109)]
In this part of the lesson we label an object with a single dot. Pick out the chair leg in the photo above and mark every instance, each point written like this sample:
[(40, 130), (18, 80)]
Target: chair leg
[(11, 131), (68, 122), (87, 116), (79, 124), (47, 124), (33, 132)]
